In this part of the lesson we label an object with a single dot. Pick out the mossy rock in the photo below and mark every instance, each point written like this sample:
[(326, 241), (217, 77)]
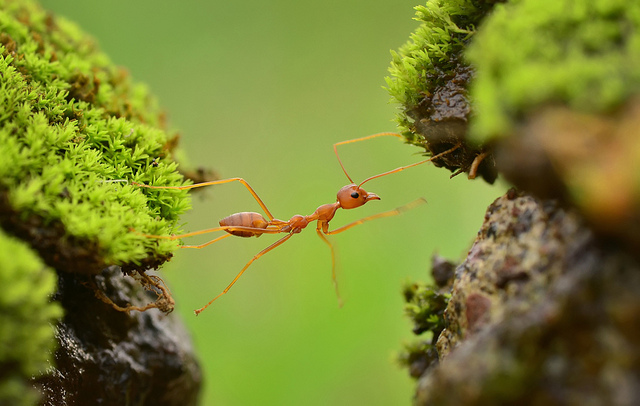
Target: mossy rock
[(476, 71), (429, 78), (541, 311), (75, 130), (549, 90), (75, 134), (545, 93)]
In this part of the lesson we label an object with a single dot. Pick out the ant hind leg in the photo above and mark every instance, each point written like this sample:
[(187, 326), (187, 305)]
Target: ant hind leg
[(211, 183), (258, 255)]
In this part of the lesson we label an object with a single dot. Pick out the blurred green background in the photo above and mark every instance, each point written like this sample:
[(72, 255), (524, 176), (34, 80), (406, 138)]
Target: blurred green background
[(262, 90)]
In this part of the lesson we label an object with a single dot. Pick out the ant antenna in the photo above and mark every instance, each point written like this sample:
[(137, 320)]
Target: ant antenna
[(402, 168), (335, 148)]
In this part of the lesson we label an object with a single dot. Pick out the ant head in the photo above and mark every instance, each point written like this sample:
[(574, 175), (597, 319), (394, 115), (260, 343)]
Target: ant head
[(352, 196)]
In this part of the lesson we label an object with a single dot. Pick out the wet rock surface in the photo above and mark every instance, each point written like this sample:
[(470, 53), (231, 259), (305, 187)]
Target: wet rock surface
[(108, 357), (442, 117)]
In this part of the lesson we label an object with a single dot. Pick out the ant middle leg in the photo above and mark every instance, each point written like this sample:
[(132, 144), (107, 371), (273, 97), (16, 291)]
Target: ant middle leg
[(334, 276), (229, 229)]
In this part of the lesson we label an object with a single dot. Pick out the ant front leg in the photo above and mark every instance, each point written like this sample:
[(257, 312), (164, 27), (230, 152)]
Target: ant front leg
[(473, 170), (321, 228)]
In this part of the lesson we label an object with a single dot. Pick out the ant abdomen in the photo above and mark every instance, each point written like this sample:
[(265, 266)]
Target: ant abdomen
[(245, 219)]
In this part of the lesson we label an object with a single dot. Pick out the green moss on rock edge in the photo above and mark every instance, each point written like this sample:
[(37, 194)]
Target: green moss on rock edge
[(74, 130), (434, 49), (429, 78)]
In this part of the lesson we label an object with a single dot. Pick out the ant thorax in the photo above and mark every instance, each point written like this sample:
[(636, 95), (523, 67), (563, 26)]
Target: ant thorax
[(325, 212), (297, 223)]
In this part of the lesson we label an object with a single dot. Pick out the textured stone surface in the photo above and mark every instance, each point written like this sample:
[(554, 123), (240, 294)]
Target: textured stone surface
[(542, 312), (442, 118), (108, 357)]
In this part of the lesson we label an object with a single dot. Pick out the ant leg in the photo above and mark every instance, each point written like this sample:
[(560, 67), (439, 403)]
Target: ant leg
[(334, 277), (389, 213), (164, 302), (233, 228), (256, 231), (214, 182), (206, 244), (258, 255), (458, 172), (368, 137), (179, 236), (324, 227), (473, 170)]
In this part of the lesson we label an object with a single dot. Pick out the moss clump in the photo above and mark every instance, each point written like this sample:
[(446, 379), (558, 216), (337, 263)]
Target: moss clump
[(425, 306), (25, 316), (581, 53), (421, 65), (73, 130), (429, 78)]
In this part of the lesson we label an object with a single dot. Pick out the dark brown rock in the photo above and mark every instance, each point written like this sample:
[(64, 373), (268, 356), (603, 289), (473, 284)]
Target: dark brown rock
[(441, 118), (108, 357)]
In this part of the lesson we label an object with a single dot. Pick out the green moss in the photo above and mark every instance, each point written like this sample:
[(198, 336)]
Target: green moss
[(425, 306), (73, 130), (26, 336), (528, 53), (434, 48)]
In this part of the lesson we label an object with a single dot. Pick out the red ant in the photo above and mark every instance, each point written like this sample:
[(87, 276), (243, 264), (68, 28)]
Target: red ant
[(250, 224)]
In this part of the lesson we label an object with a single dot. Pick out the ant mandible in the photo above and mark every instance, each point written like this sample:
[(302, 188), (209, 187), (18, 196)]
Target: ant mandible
[(252, 224)]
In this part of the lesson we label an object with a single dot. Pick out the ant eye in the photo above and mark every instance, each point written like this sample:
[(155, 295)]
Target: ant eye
[(355, 195)]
